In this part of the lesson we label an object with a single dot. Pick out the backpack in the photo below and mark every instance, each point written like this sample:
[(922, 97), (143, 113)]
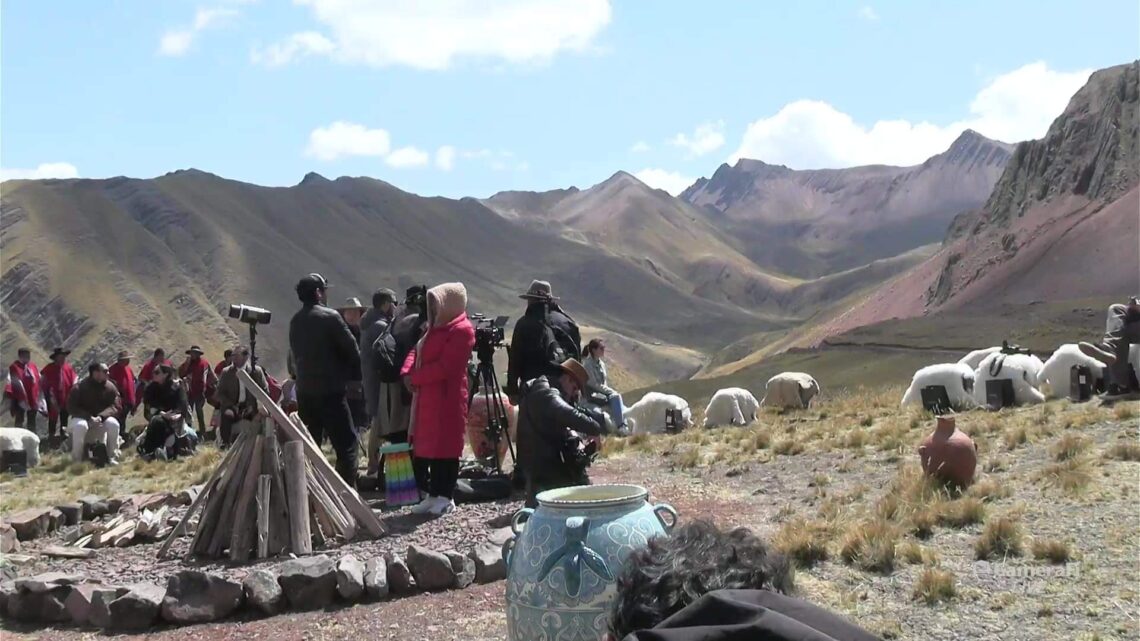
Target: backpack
[(559, 345), (386, 358)]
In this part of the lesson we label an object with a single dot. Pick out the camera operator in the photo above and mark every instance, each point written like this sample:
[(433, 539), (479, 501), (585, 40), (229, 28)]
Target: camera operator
[(327, 365), (552, 451), (233, 401), (542, 339)]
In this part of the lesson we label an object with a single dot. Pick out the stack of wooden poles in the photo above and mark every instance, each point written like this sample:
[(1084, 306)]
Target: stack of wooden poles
[(273, 493)]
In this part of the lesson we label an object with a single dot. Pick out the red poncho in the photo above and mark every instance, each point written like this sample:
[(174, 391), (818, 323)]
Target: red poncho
[(199, 374), (146, 374), (57, 383), (25, 381), (123, 377)]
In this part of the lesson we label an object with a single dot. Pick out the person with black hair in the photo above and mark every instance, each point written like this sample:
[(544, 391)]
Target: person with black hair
[(702, 583), (326, 360), (378, 395), (93, 404), (167, 435), (234, 403)]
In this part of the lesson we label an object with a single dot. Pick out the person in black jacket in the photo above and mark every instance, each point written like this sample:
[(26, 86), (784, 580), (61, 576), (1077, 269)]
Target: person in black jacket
[(702, 583), (549, 423), (543, 338), (167, 410), (327, 363)]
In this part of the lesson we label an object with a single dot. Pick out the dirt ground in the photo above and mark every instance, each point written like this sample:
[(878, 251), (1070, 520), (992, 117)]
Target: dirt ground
[(769, 476)]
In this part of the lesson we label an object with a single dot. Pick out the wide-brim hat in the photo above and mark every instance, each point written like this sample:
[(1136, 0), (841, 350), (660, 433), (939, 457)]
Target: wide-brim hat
[(539, 290), (194, 349), (59, 351), (575, 369), (352, 303)]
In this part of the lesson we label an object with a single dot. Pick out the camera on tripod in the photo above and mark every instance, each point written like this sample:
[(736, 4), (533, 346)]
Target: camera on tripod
[(490, 333), (250, 314)]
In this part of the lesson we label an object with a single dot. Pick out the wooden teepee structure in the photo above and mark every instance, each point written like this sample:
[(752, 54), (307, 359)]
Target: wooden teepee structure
[(273, 493)]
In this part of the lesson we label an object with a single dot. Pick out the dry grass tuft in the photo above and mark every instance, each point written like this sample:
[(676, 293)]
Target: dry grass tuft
[(1068, 447), (1052, 550), (1129, 451), (1072, 476), (989, 489), (922, 522), (804, 541), (1001, 538), (689, 457), (962, 512), (1124, 411), (871, 546), (934, 586), (788, 447), (855, 439), (1015, 437)]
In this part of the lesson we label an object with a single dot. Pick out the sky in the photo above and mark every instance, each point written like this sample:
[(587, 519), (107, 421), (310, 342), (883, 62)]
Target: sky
[(470, 97)]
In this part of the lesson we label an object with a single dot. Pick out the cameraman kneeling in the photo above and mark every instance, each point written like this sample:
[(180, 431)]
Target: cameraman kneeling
[(552, 451)]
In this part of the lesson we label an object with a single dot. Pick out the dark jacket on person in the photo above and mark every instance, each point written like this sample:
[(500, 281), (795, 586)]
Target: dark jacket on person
[(325, 355), (91, 398), (746, 615), (166, 397), (532, 351), (229, 389), (545, 421), (372, 326)]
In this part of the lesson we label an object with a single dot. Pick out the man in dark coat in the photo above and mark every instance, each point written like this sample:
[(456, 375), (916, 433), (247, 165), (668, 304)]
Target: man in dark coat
[(377, 401), (233, 401), (543, 338), (549, 423), (327, 363)]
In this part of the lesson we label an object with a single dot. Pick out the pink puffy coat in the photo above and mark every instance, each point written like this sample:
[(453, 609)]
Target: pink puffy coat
[(437, 370)]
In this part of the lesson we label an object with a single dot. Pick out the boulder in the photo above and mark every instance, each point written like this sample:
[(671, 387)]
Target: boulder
[(48, 580), (9, 541), (350, 578), (115, 504), (500, 536), (137, 609), (400, 579), (93, 507), (55, 519), (431, 569), (72, 513), (100, 614), (31, 523), (192, 596), (41, 602), (489, 564), (463, 567), (7, 591), (189, 495), (263, 592), (80, 604), (376, 578), (308, 583)]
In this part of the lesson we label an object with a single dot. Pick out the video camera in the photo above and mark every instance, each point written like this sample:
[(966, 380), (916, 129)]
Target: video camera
[(250, 314), (1009, 349), (489, 334)]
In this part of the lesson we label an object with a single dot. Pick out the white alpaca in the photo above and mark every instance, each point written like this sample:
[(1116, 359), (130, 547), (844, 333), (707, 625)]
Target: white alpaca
[(15, 439), (1023, 369), (1056, 373), (957, 378), (647, 416), (975, 358), (731, 406), (790, 389)]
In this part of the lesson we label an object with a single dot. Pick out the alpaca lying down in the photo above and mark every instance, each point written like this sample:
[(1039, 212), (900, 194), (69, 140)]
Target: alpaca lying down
[(731, 406), (647, 416), (15, 439), (1056, 374), (1023, 369), (957, 378)]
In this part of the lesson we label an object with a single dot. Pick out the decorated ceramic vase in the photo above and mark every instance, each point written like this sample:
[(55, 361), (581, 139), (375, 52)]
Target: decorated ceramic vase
[(949, 454), (566, 555)]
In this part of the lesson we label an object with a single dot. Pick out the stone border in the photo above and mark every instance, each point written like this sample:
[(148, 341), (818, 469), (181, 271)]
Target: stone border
[(192, 596)]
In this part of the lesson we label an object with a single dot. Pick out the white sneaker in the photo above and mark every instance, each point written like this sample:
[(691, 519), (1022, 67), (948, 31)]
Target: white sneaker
[(425, 506), (442, 506)]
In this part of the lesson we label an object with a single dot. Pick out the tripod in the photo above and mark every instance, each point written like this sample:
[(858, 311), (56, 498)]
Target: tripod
[(487, 383), (252, 343)]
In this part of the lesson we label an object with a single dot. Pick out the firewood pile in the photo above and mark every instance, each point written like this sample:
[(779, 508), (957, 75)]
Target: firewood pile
[(119, 532), (273, 493)]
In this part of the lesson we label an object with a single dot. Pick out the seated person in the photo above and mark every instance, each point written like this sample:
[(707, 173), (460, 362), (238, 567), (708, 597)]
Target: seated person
[(168, 412), (704, 583), (597, 387), (93, 405), (234, 403), (1122, 330)]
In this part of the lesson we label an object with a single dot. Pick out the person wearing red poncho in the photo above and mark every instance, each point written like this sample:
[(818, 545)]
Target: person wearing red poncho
[(58, 378), (201, 381), (24, 379), (123, 377)]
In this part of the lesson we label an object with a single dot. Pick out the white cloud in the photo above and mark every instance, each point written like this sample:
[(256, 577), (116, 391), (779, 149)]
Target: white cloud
[(43, 170), (707, 137), (296, 46), (176, 42), (348, 139), (867, 12), (670, 181), (433, 35), (809, 134), (406, 157), (640, 147), (445, 157)]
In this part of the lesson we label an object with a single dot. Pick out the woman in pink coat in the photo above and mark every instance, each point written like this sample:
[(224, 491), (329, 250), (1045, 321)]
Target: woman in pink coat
[(436, 370)]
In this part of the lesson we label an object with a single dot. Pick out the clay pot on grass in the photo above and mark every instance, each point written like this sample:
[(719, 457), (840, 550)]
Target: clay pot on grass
[(949, 454)]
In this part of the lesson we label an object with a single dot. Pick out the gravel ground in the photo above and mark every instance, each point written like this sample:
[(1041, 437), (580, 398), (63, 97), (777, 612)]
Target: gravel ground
[(1016, 599)]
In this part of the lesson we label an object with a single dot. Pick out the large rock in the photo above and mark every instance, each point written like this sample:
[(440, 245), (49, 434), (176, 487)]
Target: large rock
[(55, 519), (94, 507), (431, 569), (41, 598), (9, 542), (400, 579), (308, 583), (500, 536), (137, 609), (7, 591), (462, 567), (192, 596), (489, 564), (31, 523), (72, 513), (80, 604), (263, 592), (189, 495), (350, 578), (376, 578), (48, 580), (100, 614)]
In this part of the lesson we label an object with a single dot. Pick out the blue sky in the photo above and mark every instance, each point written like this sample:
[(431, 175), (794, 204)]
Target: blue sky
[(463, 97)]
